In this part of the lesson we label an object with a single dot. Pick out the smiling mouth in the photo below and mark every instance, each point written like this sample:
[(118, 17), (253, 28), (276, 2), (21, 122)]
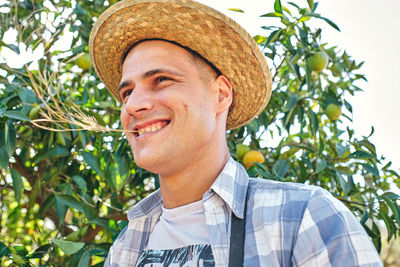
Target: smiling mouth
[(150, 128)]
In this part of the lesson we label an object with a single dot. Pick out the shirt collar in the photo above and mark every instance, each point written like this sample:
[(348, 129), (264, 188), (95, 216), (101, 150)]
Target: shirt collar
[(230, 185), (148, 207)]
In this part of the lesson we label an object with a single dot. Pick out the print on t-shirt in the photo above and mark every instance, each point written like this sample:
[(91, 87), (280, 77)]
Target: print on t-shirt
[(190, 256)]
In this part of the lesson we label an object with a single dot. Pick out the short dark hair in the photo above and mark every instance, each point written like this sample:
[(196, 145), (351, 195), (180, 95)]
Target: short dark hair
[(195, 55)]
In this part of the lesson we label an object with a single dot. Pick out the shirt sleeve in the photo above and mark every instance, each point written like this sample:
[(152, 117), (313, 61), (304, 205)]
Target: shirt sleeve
[(330, 235)]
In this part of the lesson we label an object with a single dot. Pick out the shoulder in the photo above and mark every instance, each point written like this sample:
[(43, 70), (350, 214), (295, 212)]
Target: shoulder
[(284, 195), (291, 203)]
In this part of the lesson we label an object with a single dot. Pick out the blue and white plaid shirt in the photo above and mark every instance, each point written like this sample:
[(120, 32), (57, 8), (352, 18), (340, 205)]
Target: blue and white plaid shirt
[(287, 224)]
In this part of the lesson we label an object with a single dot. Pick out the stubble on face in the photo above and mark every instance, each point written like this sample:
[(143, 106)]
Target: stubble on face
[(191, 124)]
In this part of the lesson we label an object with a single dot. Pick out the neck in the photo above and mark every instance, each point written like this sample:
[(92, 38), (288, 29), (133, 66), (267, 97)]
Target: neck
[(189, 184)]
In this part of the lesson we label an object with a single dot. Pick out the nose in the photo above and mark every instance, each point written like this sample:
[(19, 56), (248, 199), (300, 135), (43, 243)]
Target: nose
[(139, 102)]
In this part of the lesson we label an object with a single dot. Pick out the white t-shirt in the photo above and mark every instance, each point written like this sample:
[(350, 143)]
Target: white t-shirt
[(179, 238)]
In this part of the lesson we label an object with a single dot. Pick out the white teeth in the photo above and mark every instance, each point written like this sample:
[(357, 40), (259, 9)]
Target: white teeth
[(148, 129)]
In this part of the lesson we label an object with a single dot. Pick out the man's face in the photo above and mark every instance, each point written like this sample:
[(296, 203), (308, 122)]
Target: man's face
[(172, 105)]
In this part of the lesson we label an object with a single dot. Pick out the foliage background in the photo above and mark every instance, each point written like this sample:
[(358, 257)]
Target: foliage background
[(64, 194)]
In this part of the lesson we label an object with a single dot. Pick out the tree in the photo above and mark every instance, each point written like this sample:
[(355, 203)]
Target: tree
[(64, 193)]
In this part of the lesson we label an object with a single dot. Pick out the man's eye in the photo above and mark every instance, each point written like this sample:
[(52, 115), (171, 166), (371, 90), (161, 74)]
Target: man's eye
[(126, 93), (162, 79)]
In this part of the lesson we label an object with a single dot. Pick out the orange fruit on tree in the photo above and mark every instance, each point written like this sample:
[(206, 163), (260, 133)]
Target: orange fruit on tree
[(251, 157), (333, 112), (318, 61)]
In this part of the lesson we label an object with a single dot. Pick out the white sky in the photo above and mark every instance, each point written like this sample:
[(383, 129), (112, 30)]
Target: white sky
[(369, 32)]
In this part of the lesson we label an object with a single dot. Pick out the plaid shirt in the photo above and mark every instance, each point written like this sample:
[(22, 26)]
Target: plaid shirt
[(287, 224)]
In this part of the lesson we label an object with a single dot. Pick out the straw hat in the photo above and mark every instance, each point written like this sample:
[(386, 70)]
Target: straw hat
[(208, 32)]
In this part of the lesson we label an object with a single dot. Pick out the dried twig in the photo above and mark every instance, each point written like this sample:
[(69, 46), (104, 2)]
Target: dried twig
[(59, 113)]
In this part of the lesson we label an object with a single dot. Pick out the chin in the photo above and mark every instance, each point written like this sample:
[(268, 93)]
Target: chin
[(146, 161)]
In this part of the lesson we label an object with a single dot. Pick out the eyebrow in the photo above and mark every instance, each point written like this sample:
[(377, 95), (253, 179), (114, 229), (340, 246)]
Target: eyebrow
[(148, 74)]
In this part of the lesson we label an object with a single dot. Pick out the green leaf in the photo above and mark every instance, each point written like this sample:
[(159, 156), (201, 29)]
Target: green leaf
[(259, 39), (4, 250), (290, 102), (278, 6), (4, 158), (69, 201), (253, 125), (359, 154), (27, 96), (80, 182), (18, 115), (321, 165), (341, 181), (40, 252), (368, 145), (314, 121), (388, 222), (390, 195), (123, 165), (84, 261), (236, 10), (89, 211), (349, 185), (103, 222), (394, 207), (287, 10), (331, 23), (17, 184), (372, 132), (312, 14), (377, 239), (123, 224), (11, 47), (55, 152), (92, 162), (61, 211), (344, 170), (341, 149), (123, 170), (273, 14), (311, 4), (294, 4), (68, 247), (371, 169), (364, 218), (10, 137), (280, 168)]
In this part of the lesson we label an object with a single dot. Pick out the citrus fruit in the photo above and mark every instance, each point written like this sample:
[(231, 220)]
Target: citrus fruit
[(33, 114), (318, 61), (84, 62), (333, 112), (241, 150), (252, 156)]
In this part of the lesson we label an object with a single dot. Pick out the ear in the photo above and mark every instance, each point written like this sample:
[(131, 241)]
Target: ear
[(225, 94)]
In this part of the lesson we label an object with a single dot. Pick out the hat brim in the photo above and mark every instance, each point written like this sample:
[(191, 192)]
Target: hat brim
[(208, 32)]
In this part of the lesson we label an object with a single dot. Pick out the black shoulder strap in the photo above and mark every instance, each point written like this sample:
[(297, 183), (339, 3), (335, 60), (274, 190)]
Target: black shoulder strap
[(236, 248)]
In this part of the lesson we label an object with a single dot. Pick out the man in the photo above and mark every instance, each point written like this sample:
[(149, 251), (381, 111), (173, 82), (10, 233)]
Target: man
[(185, 73)]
